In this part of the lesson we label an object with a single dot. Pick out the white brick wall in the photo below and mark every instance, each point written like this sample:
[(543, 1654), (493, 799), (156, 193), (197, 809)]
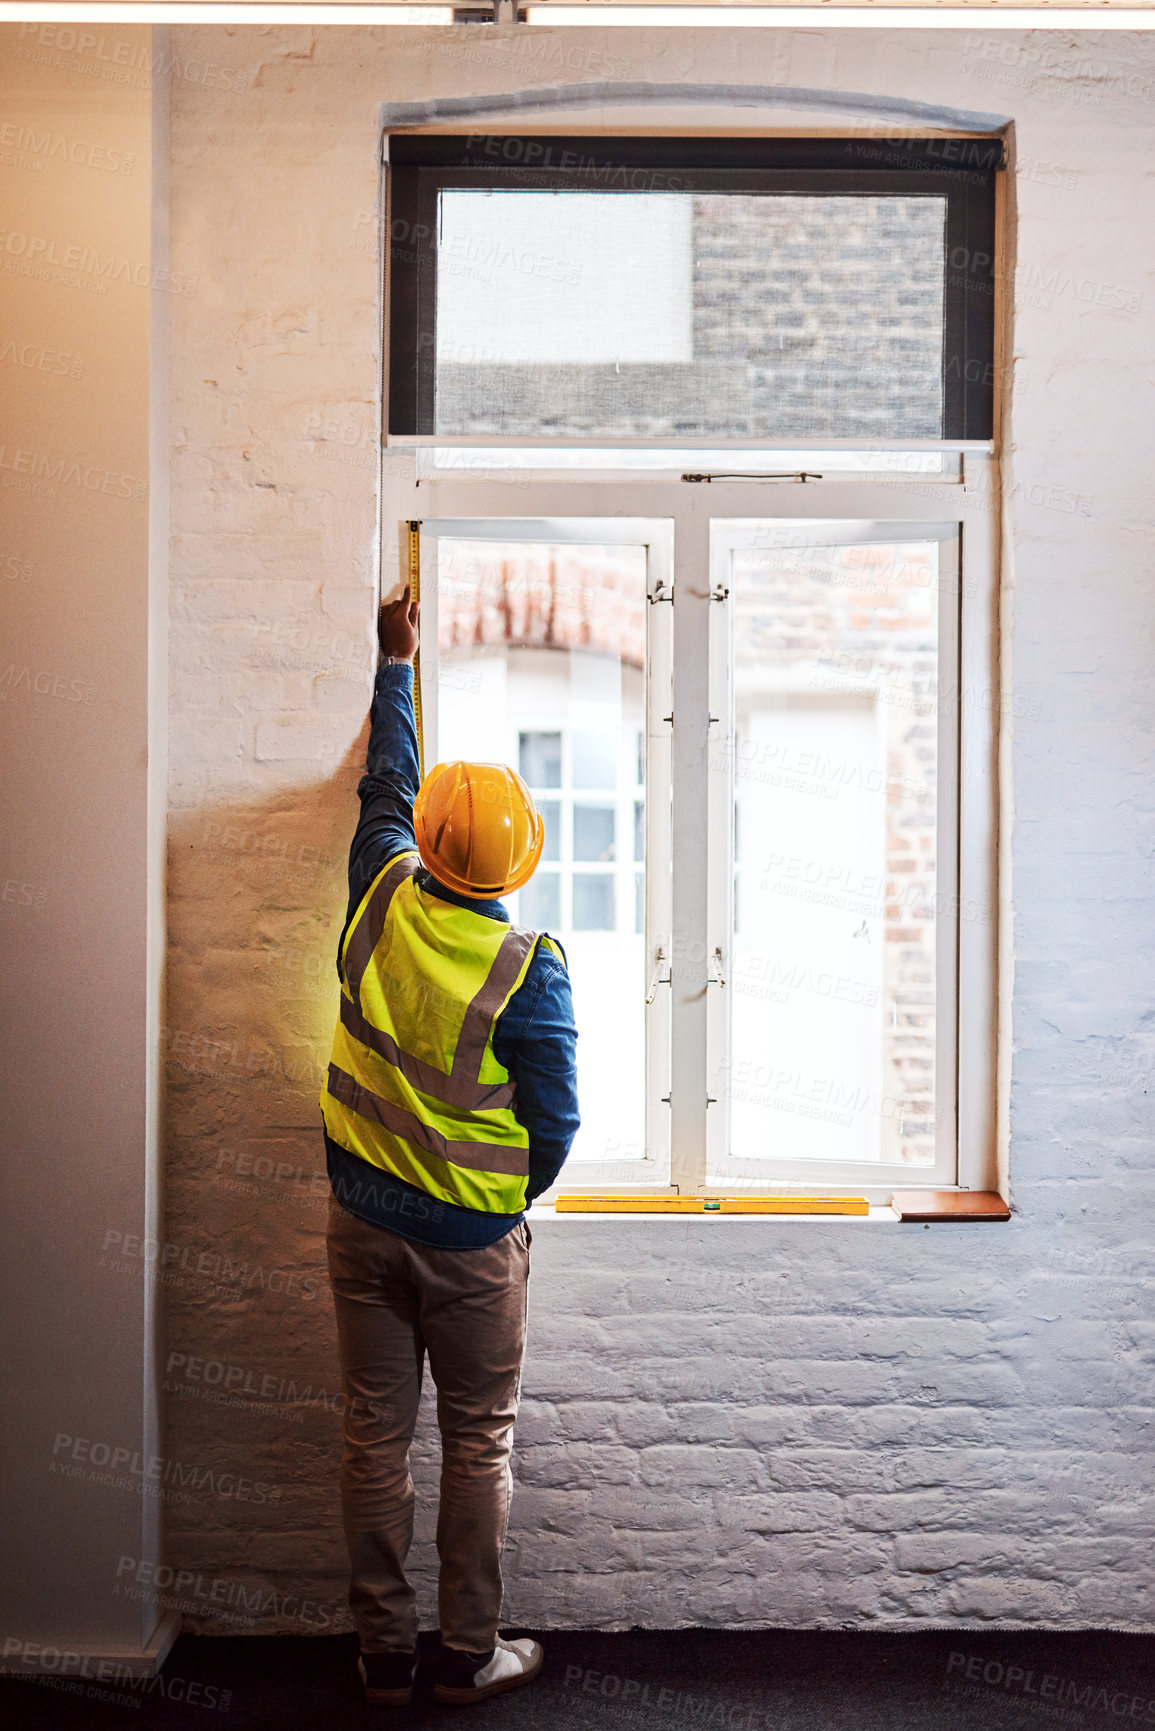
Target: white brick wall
[(799, 1424)]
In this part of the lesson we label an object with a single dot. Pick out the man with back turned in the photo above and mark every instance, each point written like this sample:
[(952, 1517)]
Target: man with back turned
[(449, 1104)]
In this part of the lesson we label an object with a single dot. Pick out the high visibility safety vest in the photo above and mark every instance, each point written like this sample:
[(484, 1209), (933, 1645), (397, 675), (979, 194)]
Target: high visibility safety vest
[(413, 1084)]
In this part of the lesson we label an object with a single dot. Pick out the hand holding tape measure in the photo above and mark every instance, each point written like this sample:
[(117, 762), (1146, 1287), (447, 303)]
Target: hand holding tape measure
[(398, 629)]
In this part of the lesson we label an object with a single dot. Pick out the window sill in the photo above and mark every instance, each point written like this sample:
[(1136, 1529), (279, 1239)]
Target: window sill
[(544, 1213), (908, 1207), (925, 1206)]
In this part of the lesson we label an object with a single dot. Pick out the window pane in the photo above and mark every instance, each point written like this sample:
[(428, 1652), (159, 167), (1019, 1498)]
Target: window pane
[(540, 904), (593, 832), (833, 960), (539, 759), (664, 314), (639, 829), (550, 812), (542, 650), (593, 902), (595, 758), (560, 261)]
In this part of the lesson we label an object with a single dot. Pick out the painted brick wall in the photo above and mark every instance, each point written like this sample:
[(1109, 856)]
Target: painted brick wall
[(800, 1424)]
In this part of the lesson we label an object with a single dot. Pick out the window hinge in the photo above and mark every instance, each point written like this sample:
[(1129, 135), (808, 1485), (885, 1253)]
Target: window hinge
[(657, 979)]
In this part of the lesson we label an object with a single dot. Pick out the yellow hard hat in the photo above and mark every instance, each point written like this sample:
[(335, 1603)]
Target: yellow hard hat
[(478, 830)]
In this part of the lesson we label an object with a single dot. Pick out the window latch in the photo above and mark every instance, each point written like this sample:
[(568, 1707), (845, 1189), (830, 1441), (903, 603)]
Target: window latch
[(753, 475), (718, 978), (663, 592)]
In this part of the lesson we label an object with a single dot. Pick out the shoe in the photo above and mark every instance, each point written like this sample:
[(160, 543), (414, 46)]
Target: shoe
[(463, 1677), (388, 1678)]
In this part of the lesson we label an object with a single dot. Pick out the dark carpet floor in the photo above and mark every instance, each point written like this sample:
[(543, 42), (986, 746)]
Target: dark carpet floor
[(643, 1681)]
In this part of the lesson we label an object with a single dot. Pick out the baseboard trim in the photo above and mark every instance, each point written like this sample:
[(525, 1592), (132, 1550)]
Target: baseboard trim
[(99, 1663)]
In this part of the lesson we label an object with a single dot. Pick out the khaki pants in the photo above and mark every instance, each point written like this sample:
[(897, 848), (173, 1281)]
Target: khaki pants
[(396, 1301)]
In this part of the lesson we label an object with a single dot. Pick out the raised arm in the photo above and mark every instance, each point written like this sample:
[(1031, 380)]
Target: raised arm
[(392, 774)]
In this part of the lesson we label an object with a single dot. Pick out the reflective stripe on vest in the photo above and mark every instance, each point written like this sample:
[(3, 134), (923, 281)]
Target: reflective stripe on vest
[(414, 1085)]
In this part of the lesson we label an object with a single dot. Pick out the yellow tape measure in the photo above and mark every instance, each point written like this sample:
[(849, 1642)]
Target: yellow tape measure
[(415, 595)]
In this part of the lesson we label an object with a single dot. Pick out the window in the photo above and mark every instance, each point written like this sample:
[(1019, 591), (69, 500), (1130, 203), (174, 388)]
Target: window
[(758, 715), (694, 289)]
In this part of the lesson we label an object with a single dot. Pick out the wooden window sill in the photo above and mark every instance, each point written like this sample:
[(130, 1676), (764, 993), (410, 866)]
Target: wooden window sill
[(928, 1205)]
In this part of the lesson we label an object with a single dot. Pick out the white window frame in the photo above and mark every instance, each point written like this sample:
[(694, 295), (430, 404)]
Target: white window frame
[(651, 1172), (773, 1172), (465, 503)]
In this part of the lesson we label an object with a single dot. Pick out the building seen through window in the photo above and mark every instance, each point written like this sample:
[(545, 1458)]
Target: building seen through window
[(833, 776), (542, 653), (654, 312), (831, 779)]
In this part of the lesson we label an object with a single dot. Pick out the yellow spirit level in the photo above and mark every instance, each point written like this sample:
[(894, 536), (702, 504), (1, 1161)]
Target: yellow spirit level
[(712, 1205)]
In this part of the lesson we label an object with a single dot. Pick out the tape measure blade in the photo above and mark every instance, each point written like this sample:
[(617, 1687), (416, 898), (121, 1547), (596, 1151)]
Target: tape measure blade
[(415, 595)]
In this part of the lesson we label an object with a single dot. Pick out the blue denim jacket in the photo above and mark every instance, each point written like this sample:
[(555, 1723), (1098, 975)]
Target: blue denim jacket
[(535, 1037)]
